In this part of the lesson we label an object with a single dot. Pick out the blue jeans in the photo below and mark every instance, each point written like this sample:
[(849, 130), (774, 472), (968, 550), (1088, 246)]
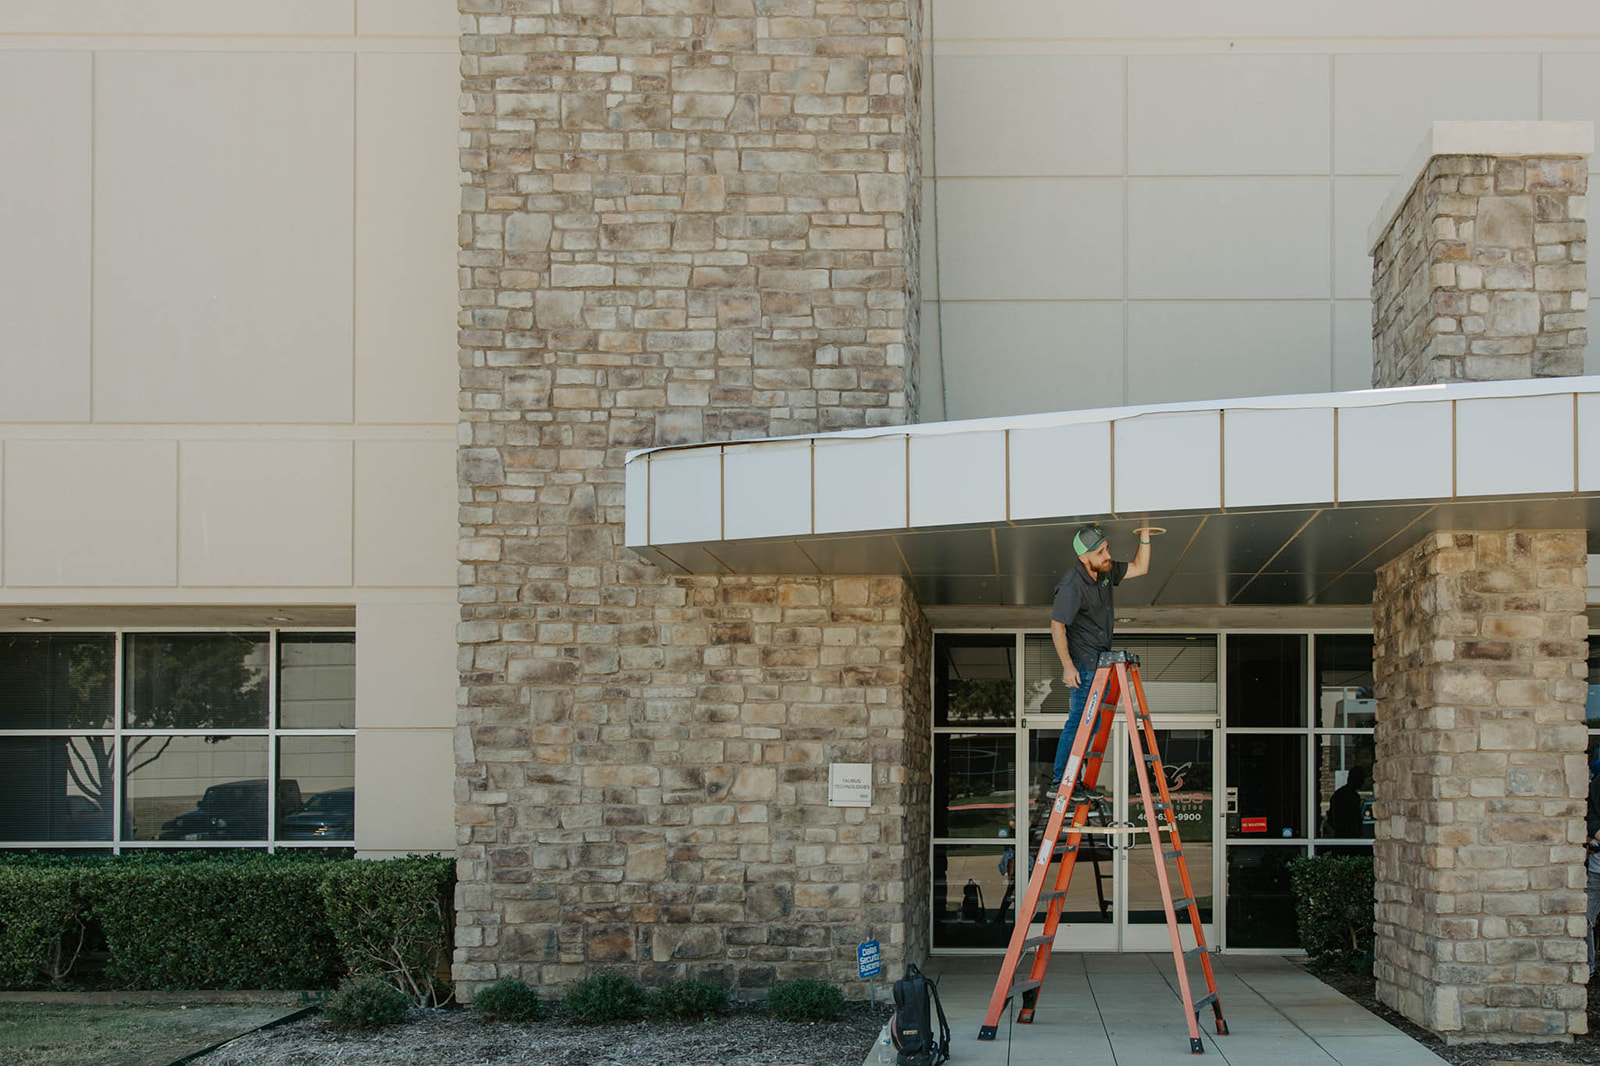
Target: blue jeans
[(1085, 662)]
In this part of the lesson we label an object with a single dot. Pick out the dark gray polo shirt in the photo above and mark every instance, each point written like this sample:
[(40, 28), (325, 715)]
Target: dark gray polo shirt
[(1084, 606)]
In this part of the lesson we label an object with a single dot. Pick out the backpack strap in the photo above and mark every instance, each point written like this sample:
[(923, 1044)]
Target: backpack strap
[(942, 1051)]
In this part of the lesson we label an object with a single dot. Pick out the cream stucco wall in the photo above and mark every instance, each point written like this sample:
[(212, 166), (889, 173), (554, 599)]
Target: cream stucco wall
[(1168, 201), (227, 340)]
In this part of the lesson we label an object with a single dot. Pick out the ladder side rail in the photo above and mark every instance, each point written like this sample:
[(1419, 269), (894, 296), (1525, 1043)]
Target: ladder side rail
[(1183, 865), (1098, 716), (1137, 740)]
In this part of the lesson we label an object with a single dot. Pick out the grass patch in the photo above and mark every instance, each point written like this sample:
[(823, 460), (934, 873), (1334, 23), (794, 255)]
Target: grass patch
[(53, 1034)]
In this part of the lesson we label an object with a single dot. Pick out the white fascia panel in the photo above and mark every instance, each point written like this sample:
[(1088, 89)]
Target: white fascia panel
[(1277, 457), (1588, 442), (1398, 452), (1168, 462), (636, 501), (766, 490), (860, 484), (686, 496), (1061, 471), (1510, 445), (958, 478)]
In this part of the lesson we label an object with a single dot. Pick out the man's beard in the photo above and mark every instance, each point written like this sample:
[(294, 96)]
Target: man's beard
[(1104, 568)]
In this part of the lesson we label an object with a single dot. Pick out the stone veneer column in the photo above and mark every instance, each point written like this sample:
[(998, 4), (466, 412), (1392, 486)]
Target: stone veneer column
[(1481, 781), (683, 221), (1481, 274)]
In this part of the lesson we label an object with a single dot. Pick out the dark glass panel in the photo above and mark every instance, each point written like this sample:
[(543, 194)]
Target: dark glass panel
[(1269, 771), (323, 771), (198, 788), (1344, 786), (195, 681), (974, 784), (1345, 698), (974, 897), (974, 679), (56, 680), (55, 788), (1260, 901), (1266, 680)]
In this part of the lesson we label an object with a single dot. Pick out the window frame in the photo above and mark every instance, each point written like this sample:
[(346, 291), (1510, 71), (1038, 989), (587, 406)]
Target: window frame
[(119, 733)]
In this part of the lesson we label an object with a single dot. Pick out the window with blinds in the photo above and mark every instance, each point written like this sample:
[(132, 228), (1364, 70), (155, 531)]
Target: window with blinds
[(117, 739)]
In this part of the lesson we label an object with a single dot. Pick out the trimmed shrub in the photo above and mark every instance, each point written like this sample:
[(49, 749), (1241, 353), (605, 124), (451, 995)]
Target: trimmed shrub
[(805, 999), (1333, 903), (366, 1002), (509, 1000), (43, 925), (231, 924), (395, 918), (606, 997), (689, 1000)]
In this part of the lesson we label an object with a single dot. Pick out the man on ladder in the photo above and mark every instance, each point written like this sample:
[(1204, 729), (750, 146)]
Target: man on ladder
[(1081, 622)]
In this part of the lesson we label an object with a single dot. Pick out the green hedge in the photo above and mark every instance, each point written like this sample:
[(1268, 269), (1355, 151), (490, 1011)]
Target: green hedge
[(246, 920), (396, 919), (214, 925), (1334, 905), (42, 925)]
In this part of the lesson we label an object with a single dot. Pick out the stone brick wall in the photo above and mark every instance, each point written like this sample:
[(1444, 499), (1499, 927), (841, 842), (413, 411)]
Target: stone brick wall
[(683, 221), (1482, 274), (1480, 662)]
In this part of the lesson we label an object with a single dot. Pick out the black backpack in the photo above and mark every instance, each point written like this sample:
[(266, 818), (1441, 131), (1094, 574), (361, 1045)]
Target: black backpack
[(911, 1028), (972, 908)]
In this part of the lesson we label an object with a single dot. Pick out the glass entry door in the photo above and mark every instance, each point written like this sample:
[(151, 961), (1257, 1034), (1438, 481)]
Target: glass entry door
[(1114, 901)]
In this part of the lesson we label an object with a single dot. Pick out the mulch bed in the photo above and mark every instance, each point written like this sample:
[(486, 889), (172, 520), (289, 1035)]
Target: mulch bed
[(463, 1037), (1583, 1049)]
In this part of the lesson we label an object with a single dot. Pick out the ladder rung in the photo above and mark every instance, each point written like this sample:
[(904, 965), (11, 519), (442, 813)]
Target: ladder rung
[(1162, 806), (1205, 1001), (1194, 952), (1172, 853), (1035, 982), (1179, 904), (1047, 896), (1035, 941)]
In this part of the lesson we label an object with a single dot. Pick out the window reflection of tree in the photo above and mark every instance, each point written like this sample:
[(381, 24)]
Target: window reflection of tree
[(189, 681)]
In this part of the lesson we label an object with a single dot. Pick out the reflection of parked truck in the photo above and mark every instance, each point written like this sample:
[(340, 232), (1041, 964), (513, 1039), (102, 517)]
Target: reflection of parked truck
[(234, 810)]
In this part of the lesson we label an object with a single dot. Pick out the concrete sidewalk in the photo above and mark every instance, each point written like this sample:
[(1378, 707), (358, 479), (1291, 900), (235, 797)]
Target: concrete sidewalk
[(1105, 1010)]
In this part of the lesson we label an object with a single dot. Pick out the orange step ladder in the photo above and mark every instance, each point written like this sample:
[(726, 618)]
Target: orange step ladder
[(1116, 678)]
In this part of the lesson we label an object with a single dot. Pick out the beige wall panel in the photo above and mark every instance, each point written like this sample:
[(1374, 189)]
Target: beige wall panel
[(223, 244), (1027, 115), (91, 513), (1208, 351), (1356, 202), (406, 513), (1383, 104), (45, 136), (1008, 239), (406, 664), (186, 17), (1228, 238), (1021, 358), (1228, 114), (1082, 20), (408, 194), (1352, 345), (405, 790), (265, 513), (407, 18), (1571, 90)]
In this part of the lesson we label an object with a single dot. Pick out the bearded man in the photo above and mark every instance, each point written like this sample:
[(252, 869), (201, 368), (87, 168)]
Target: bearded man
[(1081, 622)]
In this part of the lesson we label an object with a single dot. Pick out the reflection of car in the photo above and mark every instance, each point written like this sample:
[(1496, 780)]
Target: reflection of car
[(327, 815), (235, 810)]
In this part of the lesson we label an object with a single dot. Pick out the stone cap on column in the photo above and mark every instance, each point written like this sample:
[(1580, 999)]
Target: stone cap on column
[(1500, 139)]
